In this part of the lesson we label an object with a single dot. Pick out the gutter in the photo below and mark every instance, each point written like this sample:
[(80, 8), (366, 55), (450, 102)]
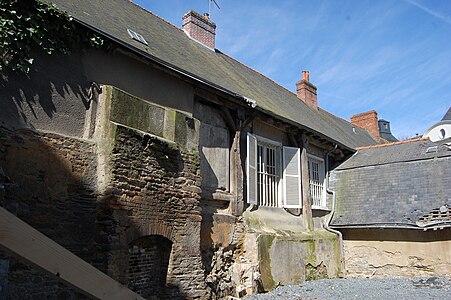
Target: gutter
[(331, 214)]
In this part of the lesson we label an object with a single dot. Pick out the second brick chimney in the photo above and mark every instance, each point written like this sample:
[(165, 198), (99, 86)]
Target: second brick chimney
[(199, 28), (307, 91), (368, 120)]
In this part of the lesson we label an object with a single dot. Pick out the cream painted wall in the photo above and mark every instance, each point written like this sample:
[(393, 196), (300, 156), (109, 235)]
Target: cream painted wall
[(364, 258)]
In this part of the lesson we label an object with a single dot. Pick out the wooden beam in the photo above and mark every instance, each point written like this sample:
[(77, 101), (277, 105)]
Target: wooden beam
[(22, 240), (306, 197), (208, 96), (237, 176), (293, 140), (227, 116)]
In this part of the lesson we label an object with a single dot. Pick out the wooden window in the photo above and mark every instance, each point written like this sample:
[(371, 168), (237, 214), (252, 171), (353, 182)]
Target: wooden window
[(317, 178), (265, 170)]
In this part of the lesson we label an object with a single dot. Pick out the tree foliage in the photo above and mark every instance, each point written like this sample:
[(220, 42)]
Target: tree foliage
[(28, 27)]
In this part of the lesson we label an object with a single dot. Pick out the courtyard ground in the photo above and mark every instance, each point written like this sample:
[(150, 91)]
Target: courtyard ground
[(386, 288)]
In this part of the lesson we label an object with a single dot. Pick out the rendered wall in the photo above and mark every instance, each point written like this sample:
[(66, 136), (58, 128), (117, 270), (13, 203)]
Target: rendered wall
[(54, 97), (392, 252), (48, 181)]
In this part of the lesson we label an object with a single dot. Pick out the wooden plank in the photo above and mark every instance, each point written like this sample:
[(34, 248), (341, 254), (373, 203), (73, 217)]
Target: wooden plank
[(306, 197), (27, 243)]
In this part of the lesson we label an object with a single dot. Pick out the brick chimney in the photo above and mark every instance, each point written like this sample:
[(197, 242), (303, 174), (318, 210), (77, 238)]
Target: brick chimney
[(368, 120), (199, 28), (307, 91)]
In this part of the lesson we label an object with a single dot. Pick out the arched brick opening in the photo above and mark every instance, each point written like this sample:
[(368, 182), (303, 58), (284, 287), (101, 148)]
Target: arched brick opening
[(148, 265)]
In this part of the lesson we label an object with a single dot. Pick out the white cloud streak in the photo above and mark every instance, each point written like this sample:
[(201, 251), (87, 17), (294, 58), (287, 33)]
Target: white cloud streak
[(429, 11)]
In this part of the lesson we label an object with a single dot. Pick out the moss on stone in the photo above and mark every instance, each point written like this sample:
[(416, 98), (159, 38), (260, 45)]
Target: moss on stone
[(180, 129), (136, 113), (264, 245)]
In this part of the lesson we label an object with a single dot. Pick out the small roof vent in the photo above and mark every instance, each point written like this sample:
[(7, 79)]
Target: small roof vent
[(431, 149), (136, 36)]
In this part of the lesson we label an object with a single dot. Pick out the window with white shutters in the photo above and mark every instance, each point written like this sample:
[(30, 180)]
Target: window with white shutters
[(272, 181), (316, 178)]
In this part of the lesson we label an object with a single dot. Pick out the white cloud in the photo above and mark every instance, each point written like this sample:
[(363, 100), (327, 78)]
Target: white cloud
[(431, 12)]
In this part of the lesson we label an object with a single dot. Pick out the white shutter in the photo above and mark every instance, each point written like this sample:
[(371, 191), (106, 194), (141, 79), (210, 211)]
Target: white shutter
[(292, 191), (251, 168)]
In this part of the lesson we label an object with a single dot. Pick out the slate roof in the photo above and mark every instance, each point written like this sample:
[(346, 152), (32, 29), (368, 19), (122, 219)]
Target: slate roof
[(171, 47), (404, 151), (447, 116), (395, 185), (388, 137)]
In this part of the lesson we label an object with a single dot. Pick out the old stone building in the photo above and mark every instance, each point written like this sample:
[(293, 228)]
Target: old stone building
[(165, 164)]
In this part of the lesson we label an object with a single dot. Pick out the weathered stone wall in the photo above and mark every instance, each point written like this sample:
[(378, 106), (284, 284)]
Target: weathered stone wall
[(49, 182), (286, 252), (97, 199), (154, 190), (391, 252), (22, 281)]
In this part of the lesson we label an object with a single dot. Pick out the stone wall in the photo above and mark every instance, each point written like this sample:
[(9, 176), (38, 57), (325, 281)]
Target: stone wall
[(154, 190), (49, 182), (98, 198)]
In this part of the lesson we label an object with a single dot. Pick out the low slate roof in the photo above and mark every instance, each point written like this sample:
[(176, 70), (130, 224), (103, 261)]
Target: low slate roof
[(397, 185), (404, 151), (170, 46)]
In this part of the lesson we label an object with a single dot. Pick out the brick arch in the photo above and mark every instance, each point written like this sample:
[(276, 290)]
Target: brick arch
[(159, 228), (142, 229)]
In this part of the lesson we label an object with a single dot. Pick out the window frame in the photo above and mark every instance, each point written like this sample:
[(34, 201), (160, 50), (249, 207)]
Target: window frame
[(321, 172), (277, 146), (258, 173)]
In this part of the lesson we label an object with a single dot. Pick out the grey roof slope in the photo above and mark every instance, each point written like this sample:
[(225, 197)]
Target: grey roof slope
[(399, 185), (404, 151), (447, 116), (388, 137), (170, 45)]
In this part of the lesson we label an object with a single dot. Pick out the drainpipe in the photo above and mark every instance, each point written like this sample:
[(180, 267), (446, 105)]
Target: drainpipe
[(327, 221)]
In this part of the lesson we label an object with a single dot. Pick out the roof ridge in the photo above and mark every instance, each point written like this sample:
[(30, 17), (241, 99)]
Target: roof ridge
[(394, 143), (258, 72), (155, 15)]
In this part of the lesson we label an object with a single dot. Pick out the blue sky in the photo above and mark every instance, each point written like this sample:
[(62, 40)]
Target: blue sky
[(393, 56)]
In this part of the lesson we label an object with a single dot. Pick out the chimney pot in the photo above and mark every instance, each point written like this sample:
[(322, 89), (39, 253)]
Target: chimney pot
[(305, 75)]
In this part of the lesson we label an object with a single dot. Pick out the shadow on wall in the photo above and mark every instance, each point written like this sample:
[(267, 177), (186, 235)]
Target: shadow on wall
[(50, 182), (396, 235), (54, 86)]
